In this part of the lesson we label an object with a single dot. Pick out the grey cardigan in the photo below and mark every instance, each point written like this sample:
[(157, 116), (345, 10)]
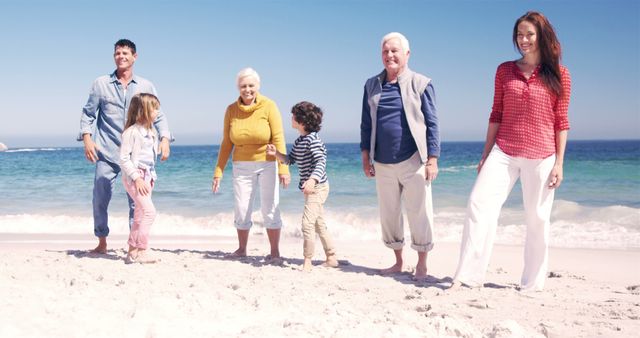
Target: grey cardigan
[(412, 85)]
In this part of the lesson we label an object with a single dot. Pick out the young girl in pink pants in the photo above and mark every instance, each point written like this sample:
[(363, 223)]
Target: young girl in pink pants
[(137, 161)]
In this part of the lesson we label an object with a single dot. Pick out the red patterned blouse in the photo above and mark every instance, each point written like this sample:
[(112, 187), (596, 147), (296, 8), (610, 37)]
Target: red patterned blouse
[(528, 112)]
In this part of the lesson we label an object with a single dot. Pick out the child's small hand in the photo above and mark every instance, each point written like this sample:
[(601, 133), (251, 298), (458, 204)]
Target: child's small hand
[(308, 186), (271, 150), (142, 187)]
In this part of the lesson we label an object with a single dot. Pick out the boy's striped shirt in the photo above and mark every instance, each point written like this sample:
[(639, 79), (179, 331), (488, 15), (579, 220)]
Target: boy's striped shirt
[(311, 156)]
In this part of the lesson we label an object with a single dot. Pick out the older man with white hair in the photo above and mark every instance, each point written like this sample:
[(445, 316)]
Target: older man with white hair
[(400, 147)]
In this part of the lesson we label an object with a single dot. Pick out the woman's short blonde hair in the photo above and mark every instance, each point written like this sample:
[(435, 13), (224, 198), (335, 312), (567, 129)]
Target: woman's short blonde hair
[(247, 72), (395, 35)]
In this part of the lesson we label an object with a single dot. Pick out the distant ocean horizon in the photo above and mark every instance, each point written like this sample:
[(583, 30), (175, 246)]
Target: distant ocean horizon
[(49, 189), (201, 139)]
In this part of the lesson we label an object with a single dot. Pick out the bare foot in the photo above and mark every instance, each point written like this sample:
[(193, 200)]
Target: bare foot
[(306, 266), (275, 260), (421, 273), (274, 254), (331, 262), (132, 255), (145, 258), (130, 259), (393, 269), (240, 253), (102, 246)]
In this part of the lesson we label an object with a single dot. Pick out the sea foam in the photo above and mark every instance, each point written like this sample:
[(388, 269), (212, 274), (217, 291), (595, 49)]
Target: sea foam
[(573, 226), (28, 150)]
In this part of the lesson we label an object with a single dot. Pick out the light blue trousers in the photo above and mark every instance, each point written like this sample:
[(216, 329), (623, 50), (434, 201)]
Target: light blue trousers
[(105, 177)]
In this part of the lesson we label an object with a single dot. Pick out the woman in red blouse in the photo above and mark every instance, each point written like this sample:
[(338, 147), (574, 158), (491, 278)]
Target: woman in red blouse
[(526, 139)]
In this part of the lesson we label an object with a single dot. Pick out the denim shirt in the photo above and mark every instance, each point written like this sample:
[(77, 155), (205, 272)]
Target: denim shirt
[(106, 112)]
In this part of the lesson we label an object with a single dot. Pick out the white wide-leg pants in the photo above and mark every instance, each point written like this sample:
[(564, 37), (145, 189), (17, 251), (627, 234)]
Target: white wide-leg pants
[(492, 187)]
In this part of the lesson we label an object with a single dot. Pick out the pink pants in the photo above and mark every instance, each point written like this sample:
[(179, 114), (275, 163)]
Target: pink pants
[(143, 214)]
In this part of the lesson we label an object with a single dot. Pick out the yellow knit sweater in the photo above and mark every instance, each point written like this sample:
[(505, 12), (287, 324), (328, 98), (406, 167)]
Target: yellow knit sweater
[(248, 130)]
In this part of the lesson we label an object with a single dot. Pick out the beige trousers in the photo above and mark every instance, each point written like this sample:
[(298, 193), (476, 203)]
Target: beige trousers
[(313, 221), (404, 184)]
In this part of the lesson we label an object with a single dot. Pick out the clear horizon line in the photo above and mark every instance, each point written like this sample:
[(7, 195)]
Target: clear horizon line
[(78, 145)]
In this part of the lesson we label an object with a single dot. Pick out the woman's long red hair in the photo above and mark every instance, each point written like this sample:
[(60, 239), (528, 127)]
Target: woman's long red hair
[(549, 47)]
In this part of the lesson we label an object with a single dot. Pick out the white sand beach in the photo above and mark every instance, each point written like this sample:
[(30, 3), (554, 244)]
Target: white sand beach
[(51, 287)]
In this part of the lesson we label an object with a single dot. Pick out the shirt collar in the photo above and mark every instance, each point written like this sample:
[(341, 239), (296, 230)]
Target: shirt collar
[(403, 77), (114, 77), (311, 134), (518, 72)]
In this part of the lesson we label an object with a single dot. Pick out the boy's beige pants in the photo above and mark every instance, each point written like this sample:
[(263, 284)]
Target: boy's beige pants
[(313, 221)]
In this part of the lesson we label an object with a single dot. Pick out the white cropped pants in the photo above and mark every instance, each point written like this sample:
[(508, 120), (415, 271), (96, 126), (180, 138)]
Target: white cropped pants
[(248, 178), (493, 185)]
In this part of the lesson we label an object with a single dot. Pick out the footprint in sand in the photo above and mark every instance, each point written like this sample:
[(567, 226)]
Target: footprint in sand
[(478, 304), (424, 308), (553, 274)]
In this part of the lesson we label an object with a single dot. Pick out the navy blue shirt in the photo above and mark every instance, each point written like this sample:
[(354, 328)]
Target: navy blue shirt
[(394, 147), (394, 142)]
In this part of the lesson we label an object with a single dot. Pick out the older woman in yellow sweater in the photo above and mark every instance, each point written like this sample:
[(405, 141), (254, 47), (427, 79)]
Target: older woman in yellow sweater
[(250, 123)]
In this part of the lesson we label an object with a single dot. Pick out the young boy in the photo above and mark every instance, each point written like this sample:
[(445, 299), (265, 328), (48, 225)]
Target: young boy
[(311, 156)]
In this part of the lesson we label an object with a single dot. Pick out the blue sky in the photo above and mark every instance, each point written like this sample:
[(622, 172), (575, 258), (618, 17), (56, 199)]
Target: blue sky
[(320, 51)]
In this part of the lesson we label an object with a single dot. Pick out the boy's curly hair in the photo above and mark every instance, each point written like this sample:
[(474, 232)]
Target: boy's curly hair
[(309, 115)]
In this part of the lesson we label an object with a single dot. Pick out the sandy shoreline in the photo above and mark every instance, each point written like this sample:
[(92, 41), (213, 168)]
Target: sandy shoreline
[(52, 287)]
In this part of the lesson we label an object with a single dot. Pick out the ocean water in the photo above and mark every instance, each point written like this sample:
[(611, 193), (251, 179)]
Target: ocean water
[(48, 190)]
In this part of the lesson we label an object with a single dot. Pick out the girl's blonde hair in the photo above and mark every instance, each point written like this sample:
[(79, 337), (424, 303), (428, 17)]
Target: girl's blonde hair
[(140, 109)]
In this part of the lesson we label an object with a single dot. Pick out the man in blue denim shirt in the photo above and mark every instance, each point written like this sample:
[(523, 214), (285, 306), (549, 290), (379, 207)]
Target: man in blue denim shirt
[(105, 113)]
